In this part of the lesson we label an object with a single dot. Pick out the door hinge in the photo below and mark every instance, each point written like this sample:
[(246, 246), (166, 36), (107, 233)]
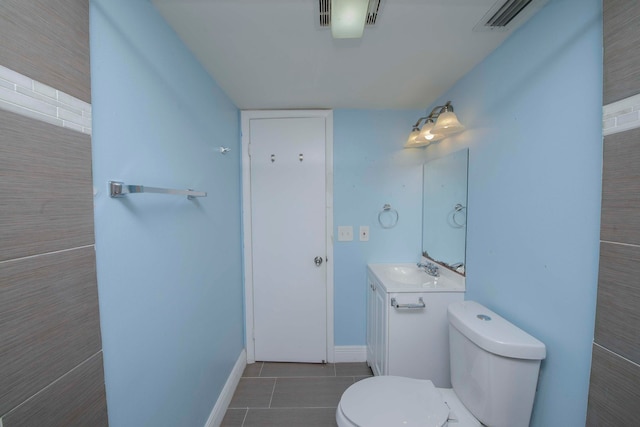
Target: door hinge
[(249, 149)]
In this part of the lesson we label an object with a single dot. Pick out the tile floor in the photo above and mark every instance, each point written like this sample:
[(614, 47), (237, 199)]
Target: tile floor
[(291, 394)]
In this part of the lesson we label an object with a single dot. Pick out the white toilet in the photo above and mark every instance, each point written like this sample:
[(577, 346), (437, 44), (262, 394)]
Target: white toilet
[(494, 373)]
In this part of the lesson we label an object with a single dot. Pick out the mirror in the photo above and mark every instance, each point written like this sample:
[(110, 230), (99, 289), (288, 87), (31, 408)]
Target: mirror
[(444, 210)]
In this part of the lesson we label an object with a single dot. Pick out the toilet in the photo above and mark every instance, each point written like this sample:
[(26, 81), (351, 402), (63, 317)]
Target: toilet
[(494, 374)]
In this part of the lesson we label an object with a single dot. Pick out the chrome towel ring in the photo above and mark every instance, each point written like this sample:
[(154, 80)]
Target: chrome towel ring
[(391, 216)]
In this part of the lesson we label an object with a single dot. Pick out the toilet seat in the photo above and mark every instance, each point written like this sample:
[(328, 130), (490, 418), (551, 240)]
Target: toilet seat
[(389, 401)]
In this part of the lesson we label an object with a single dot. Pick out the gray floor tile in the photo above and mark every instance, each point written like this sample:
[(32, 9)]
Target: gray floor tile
[(271, 369), (295, 417), (360, 369), (234, 418), (253, 393), (309, 392), (300, 394), (252, 370)]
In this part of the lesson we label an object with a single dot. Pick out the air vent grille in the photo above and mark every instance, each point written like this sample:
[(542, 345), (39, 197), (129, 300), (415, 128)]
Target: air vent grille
[(325, 13), (324, 9), (507, 12), (506, 15), (372, 13)]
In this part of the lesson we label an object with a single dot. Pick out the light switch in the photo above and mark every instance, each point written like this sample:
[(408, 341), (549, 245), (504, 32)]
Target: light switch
[(364, 233), (345, 233)]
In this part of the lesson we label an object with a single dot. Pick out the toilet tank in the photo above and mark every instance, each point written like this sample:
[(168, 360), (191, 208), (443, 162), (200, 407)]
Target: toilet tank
[(494, 365)]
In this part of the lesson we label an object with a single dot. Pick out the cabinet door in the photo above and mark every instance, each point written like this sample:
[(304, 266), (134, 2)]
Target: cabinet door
[(419, 338), (371, 301), (380, 331)]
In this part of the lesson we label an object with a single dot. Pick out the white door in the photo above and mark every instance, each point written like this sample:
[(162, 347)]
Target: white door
[(288, 239)]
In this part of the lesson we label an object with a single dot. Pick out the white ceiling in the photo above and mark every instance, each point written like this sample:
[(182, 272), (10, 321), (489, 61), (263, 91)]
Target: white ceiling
[(271, 54)]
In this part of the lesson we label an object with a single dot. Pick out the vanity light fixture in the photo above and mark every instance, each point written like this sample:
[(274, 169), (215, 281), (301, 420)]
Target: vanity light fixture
[(447, 123), (427, 135), (348, 18), (439, 124), (411, 141)]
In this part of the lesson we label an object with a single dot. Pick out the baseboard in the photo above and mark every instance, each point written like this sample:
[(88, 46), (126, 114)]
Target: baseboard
[(350, 353), (220, 408)]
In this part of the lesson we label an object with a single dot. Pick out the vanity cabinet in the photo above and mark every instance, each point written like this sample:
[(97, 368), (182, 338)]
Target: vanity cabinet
[(408, 331), (376, 327)]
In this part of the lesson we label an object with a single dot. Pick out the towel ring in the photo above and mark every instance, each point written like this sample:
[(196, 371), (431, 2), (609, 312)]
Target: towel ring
[(457, 209), (387, 209)]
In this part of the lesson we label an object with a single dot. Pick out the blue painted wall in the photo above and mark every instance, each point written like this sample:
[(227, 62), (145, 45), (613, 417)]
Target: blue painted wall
[(169, 269), (533, 111), (370, 170), (165, 264)]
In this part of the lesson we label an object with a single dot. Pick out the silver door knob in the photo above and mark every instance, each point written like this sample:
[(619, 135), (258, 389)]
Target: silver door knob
[(318, 261)]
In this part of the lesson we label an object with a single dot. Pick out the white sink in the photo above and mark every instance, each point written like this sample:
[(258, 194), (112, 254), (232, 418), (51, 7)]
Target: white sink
[(407, 274), (405, 277)]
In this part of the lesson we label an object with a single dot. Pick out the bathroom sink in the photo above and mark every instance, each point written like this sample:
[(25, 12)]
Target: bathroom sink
[(409, 275), (405, 277)]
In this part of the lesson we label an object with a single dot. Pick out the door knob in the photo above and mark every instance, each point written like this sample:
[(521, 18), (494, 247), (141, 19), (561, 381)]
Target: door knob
[(318, 261)]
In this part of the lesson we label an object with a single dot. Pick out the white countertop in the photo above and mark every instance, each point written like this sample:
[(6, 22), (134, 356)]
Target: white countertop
[(407, 277)]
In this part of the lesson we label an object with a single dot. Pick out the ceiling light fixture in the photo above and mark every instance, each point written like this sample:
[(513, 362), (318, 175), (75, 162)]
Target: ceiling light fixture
[(348, 18), (439, 124)]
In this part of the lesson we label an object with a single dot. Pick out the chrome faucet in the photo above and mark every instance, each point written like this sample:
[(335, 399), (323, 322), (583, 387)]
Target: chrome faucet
[(430, 268)]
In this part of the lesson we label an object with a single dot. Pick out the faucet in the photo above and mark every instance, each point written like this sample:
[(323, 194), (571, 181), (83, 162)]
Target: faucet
[(430, 268)]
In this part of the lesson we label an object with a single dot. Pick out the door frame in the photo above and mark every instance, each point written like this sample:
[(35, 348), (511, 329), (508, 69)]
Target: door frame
[(245, 117)]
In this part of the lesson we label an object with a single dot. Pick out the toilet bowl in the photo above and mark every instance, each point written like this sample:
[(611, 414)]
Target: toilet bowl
[(389, 401), (494, 373)]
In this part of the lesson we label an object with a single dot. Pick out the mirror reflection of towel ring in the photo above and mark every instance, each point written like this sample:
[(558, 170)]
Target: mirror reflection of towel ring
[(461, 220), (388, 211)]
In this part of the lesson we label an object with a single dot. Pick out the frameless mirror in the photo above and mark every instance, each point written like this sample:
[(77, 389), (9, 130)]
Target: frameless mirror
[(444, 210)]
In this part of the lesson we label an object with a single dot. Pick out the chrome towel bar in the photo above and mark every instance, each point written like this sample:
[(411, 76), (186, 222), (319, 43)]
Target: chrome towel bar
[(419, 305), (120, 189)]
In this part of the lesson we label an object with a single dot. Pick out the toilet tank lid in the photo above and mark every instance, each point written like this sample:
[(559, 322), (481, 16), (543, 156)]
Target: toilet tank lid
[(493, 333)]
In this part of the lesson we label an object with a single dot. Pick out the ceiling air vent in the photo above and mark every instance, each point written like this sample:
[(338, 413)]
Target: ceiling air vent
[(324, 12), (509, 14), (372, 13)]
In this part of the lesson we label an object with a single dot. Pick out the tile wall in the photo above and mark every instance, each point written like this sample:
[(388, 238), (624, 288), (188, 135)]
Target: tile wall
[(614, 390), (51, 369), (30, 98)]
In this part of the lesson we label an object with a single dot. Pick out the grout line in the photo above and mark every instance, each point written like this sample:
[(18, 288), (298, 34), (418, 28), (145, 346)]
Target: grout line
[(52, 383), (273, 390), (619, 243), (616, 354), (292, 407), (261, 368), (47, 253), (243, 419), (305, 376)]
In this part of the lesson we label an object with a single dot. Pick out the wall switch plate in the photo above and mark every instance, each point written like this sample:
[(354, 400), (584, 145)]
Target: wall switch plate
[(345, 233), (364, 233)]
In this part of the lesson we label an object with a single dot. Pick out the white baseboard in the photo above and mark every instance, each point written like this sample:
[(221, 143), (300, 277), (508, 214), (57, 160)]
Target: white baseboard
[(350, 353), (220, 408)]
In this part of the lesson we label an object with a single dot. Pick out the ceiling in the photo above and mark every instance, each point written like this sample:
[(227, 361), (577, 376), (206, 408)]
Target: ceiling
[(272, 54)]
